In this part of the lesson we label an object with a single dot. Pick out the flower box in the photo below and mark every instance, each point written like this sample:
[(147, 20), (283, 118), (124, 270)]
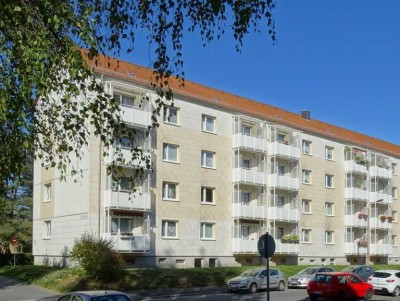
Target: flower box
[(362, 243), (363, 216)]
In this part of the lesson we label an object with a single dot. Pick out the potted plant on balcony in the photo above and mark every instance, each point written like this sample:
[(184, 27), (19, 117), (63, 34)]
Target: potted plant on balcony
[(290, 238), (389, 218), (126, 233), (362, 215), (362, 243), (382, 218)]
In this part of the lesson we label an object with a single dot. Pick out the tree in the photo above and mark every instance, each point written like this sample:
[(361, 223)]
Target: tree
[(43, 70)]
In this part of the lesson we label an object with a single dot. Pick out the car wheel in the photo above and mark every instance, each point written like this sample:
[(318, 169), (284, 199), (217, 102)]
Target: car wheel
[(281, 286), (253, 288), (396, 291), (369, 294)]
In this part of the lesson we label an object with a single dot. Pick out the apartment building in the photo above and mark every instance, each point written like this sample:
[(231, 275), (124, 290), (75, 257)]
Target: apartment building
[(225, 170)]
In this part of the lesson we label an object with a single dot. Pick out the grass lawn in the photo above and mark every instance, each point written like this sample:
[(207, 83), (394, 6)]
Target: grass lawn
[(64, 280)]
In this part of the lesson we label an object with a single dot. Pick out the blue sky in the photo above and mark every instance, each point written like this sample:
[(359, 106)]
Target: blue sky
[(339, 59)]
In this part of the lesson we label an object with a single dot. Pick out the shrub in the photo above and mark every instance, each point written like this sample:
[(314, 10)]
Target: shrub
[(95, 258)]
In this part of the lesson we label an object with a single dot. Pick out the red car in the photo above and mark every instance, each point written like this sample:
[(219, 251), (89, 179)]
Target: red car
[(340, 286)]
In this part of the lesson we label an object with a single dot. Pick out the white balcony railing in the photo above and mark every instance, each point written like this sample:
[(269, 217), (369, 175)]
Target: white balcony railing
[(240, 245), (353, 220), (356, 193), (248, 211), (124, 200), (286, 248), (248, 176), (382, 172), (380, 249), (284, 150), (353, 166), (136, 116), (134, 243), (283, 214), (377, 222), (352, 248), (283, 182), (126, 155), (249, 142), (380, 196)]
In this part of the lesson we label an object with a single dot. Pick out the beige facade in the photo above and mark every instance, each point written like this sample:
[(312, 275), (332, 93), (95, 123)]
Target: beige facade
[(220, 179)]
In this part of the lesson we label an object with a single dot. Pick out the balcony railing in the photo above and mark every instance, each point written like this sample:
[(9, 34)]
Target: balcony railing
[(352, 248), (124, 200), (283, 214), (380, 223), (248, 246), (380, 249), (248, 176), (249, 142), (382, 196), (133, 243), (382, 172), (126, 155), (283, 150), (283, 182), (248, 211), (354, 220), (356, 193), (286, 248), (136, 116), (353, 166)]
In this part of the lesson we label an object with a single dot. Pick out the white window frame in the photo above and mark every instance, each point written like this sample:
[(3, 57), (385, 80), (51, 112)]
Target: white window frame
[(394, 216), (394, 240), (169, 114), (135, 103), (329, 206), (47, 192), (306, 176), (167, 147), (205, 193), (329, 153), (206, 156), (394, 193), (394, 169), (306, 147), (306, 235), (329, 181), (166, 191), (329, 237), (204, 123), (164, 229), (47, 229), (203, 231), (303, 206)]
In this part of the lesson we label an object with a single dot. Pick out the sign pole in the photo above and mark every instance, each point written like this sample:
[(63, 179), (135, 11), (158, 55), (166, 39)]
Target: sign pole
[(266, 247), (267, 257)]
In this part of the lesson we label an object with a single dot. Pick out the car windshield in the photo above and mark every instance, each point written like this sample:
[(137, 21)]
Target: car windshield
[(350, 269), (110, 298), (381, 275), (249, 273), (307, 271)]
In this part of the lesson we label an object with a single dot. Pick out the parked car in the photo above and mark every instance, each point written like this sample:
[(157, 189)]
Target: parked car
[(362, 271), (386, 282), (254, 279), (302, 278), (100, 295), (339, 285)]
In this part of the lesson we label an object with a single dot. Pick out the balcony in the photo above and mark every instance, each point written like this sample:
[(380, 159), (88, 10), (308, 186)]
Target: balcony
[(380, 249), (382, 196), (125, 200), (126, 156), (286, 248), (136, 116), (256, 144), (355, 166), (248, 211), (352, 248), (241, 245), (248, 176), (356, 193), (380, 171), (129, 244), (355, 220), (286, 182), (380, 223), (282, 149), (283, 214)]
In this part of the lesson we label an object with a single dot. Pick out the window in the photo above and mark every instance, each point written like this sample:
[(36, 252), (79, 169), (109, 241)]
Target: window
[(394, 192), (121, 225), (279, 233), (329, 152), (124, 184), (208, 124), (207, 159), (306, 146), (169, 229), (394, 216), (245, 232), (207, 231), (329, 209), (246, 197), (281, 137), (128, 101), (169, 191), (212, 262), (329, 181), (281, 170), (329, 237), (280, 201), (170, 153), (47, 192), (306, 206), (394, 168), (306, 235), (207, 195), (246, 163), (170, 115), (246, 129), (124, 142), (47, 229), (394, 240), (306, 176)]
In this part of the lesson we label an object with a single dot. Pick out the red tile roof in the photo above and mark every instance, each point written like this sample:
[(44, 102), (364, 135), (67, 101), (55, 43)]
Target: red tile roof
[(134, 73)]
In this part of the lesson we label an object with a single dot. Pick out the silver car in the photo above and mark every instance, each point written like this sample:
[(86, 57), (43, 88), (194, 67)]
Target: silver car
[(302, 278), (101, 295), (255, 279)]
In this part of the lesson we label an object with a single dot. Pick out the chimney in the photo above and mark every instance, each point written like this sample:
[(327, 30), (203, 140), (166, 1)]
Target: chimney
[(306, 114)]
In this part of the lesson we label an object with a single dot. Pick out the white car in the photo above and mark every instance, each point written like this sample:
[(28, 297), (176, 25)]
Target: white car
[(386, 282)]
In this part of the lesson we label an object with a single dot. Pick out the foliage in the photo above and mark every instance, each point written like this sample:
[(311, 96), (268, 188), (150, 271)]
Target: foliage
[(20, 259), (50, 100), (96, 259)]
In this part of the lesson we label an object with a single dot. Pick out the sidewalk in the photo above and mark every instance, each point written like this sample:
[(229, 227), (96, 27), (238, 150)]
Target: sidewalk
[(170, 293)]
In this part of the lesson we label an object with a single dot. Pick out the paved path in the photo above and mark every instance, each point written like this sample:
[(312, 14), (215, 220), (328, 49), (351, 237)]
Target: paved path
[(12, 290)]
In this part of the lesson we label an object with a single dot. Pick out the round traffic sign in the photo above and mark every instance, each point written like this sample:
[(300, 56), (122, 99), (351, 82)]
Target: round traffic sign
[(14, 240), (266, 245)]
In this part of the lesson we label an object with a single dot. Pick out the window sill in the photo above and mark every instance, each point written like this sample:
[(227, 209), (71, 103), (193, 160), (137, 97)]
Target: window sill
[(171, 123), (170, 200), (168, 161), (46, 201), (207, 239), (328, 187), (309, 155), (208, 132), (307, 213), (170, 238), (306, 242), (329, 243), (47, 238), (208, 167), (207, 203), (306, 183)]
